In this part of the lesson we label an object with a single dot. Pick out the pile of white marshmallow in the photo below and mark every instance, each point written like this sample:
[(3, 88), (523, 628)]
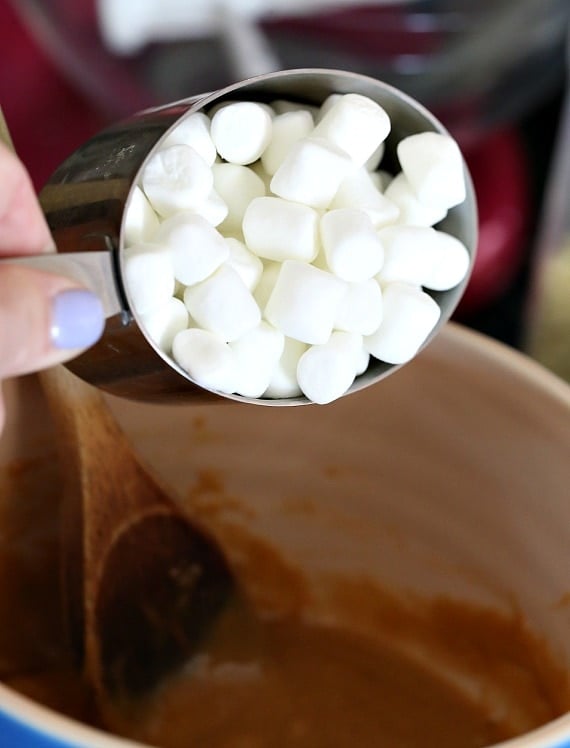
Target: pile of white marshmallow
[(268, 255)]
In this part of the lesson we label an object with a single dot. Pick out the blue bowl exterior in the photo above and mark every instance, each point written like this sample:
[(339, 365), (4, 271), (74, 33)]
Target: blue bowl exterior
[(16, 733)]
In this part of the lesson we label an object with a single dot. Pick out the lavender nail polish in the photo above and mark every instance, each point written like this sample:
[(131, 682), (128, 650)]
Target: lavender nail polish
[(77, 319)]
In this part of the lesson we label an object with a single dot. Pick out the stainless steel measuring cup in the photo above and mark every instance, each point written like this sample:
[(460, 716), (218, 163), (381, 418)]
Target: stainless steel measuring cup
[(85, 203)]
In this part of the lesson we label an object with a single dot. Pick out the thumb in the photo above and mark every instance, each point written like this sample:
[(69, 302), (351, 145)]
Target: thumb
[(44, 319)]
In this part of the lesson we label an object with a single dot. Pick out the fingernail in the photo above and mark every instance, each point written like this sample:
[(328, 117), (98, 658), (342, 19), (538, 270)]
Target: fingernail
[(77, 319)]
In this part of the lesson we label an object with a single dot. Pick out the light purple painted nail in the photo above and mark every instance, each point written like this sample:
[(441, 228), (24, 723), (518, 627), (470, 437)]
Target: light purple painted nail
[(77, 319)]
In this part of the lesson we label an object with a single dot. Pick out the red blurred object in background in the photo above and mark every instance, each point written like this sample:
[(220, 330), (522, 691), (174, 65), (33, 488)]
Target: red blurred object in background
[(49, 119), (499, 169)]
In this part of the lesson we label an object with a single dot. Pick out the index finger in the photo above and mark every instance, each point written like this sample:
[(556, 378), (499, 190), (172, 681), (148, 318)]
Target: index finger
[(23, 228)]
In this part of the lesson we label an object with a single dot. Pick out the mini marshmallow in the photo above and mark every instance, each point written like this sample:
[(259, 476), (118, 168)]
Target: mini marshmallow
[(373, 162), (223, 305), (176, 178), (207, 359), (140, 222), (241, 131), (352, 247), (247, 265), (148, 276), (266, 283), (327, 105), (360, 311), (362, 361), (165, 322), (355, 124), (279, 230), (196, 248), (283, 383), (409, 317), (222, 104), (282, 106), (288, 129), (213, 209), (304, 302), (412, 211), (325, 372), (257, 354), (452, 264), (358, 190), (194, 131), (311, 172), (422, 256), (433, 165), (237, 186), (408, 254)]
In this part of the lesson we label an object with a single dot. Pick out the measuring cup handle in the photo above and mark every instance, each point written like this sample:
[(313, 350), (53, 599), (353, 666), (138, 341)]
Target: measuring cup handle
[(94, 270)]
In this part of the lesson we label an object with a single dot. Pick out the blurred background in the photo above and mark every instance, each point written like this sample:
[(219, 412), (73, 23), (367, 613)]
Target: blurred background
[(494, 71)]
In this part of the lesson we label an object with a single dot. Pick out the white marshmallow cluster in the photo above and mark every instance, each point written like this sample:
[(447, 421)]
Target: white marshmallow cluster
[(270, 255)]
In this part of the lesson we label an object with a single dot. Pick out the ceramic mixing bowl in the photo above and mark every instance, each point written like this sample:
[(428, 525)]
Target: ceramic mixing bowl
[(444, 488)]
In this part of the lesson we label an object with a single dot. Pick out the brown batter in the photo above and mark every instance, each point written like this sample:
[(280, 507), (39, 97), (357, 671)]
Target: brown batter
[(264, 681), (285, 683)]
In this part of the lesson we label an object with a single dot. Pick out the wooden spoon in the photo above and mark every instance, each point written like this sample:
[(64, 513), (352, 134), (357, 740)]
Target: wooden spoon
[(142, 585)]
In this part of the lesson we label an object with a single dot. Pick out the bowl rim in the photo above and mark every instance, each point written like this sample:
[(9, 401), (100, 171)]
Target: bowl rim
[(507, 357), (31, 716)]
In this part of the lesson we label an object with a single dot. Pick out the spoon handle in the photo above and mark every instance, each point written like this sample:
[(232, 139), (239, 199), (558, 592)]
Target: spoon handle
[(91, 269)]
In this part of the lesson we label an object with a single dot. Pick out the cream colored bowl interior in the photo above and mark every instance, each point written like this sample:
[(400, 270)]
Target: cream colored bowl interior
[(449, 479)]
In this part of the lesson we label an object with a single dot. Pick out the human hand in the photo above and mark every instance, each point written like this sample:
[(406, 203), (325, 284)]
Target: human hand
[(44, 318)]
